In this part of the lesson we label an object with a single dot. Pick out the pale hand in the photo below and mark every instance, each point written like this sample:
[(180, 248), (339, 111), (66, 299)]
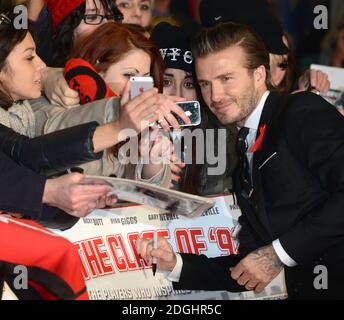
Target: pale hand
[(57, 90), (155, 148), (166, 258), (316, 80), (77, 197)]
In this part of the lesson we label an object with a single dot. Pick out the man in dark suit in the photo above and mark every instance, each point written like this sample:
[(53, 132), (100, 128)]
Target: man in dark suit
[(289, 184)]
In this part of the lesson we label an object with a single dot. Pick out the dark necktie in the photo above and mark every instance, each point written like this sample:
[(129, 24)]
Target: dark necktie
[(243, 165)]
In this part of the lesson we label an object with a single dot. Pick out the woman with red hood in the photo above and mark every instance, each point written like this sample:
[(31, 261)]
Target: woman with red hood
[(60, 23)]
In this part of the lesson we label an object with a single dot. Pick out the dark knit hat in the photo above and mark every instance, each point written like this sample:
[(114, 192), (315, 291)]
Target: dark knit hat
[(174, 44), (258, 17)]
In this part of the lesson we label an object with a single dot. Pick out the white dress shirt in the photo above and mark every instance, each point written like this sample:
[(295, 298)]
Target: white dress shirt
[(252, 122)]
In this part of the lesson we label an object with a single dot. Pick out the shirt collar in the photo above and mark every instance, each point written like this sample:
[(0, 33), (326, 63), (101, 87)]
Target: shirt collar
[(252, 122)]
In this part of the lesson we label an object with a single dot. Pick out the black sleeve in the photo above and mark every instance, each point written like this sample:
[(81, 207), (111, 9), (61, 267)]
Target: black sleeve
[(55, 151), (43, 34), (316, 135), (21, 190), (55, 218), (202, 273)]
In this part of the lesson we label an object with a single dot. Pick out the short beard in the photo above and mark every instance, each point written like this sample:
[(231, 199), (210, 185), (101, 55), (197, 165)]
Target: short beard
[(247, 103)]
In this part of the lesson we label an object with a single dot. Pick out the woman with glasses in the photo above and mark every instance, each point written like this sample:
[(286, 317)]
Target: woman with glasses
[(56, 26), (59, 23)]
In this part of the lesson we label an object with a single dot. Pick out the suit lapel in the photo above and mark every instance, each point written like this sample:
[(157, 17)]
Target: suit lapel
[(259, 157), (266, 119)]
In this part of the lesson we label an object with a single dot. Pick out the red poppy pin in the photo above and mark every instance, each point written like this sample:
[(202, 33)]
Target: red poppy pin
[(258, 144)]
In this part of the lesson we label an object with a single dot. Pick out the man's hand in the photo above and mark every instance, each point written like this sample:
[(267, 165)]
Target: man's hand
[(165, 254), (257, 269), (73, 195)]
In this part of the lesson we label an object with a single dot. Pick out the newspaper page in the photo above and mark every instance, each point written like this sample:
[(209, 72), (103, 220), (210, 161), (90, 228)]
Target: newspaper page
[(157, 197)]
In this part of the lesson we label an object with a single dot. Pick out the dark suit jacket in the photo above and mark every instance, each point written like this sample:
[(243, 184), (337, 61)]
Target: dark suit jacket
[(298, 198)]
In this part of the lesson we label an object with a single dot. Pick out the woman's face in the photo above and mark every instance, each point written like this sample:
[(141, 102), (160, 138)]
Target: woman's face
[(179, 83), (136, 11), (21, 75), (278, 68), (93, 7), (135, 63), (279, 65)]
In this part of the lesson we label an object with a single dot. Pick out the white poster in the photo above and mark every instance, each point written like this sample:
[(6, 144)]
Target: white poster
[(113, 269)]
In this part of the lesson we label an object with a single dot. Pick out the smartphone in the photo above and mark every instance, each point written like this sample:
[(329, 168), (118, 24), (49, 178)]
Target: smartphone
[(139, 85), (192, 110)]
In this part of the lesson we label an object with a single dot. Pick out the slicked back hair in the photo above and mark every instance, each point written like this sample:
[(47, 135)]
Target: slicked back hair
[(225, 35)]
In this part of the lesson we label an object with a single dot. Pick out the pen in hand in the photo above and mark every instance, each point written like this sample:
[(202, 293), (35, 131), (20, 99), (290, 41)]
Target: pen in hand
[(155, 246)]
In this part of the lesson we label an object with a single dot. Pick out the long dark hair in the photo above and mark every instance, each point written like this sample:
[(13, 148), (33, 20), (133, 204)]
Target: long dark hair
[(10, 37), (64, 34), (286, 84), (195, 179)]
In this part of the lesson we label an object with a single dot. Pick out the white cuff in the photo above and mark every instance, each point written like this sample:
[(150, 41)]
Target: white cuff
[(177, 270), (284, 257)]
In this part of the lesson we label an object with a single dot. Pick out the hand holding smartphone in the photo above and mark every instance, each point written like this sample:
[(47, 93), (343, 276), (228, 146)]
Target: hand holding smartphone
[(191, 108)]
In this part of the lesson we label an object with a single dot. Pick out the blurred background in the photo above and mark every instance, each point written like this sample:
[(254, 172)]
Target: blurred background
[(297, 16)]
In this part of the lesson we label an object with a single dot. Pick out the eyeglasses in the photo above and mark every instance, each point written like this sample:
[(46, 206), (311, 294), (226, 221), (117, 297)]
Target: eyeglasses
[(95, 19), (283, 65)]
